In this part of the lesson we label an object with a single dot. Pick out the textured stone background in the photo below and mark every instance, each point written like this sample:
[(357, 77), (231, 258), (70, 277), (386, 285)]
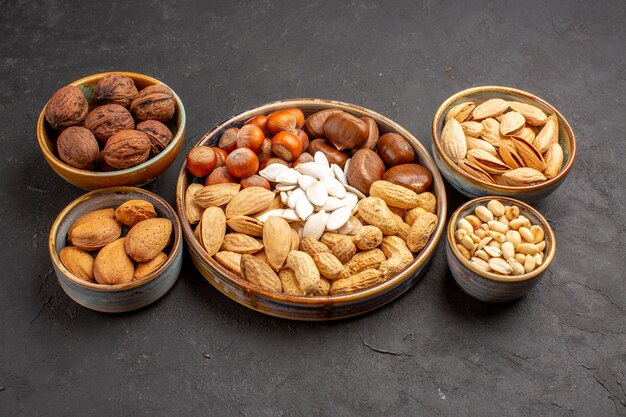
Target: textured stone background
[(560, 351)]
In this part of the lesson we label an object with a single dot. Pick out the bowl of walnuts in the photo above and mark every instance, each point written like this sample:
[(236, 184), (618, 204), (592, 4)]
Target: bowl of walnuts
[(111, 129)]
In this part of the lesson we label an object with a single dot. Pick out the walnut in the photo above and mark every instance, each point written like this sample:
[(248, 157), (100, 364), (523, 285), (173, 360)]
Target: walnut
[(78, 147), (159, 134), (106, 120), (126, 149), (115, 88), (154, 102), (67, 107)]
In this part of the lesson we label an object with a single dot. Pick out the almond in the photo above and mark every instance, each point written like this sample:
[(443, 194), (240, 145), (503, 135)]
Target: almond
[(533, 115), (259, 273), (523, 176), (193, 212), (453, 140), (229, 260), (277, 241), (78, 262), (148, 238), (112, 265), (107, 213), (554, 160), (213, 229), (490, 108), (512, 122), (245, 224), (146, 268), (95, 234), (133, 211), (216, 195), (461, 112), (240, 243), (248, 201)]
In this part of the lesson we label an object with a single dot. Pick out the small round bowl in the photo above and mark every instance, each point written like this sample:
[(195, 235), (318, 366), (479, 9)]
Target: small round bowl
[(488, 286), (318, 307), (122, 297), (473, 187), (138, 175)]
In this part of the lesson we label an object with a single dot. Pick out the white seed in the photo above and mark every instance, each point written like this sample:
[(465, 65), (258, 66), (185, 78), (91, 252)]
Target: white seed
[(527, 249), (284, 196), (305, 180), (473, 220), (497, 226), (541, 245), (520, 257), (338, 218), (320, 158), (334, 186), (272, 213), (500, 266), (492, 251), (356, 225), (514, 237), (351, 200), (303, 207), (294, 196), (484, 242), (313, 169), (484, 213), (346, 228), (317, 193), (285, 187), (464, 225), (353, 190), (516, 267), (315, 225), (496, 207), (271, 171), (339, 173), (290, 215), (529, 263), (508, 250), (333, 203), (480, 264), (288, 176), (345, 167), (482, 255)]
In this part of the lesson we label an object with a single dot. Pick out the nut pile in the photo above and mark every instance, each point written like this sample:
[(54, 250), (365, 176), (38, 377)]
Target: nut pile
[(121, 128), (497, 238), (321, 218), (503, 142), (118, 259)]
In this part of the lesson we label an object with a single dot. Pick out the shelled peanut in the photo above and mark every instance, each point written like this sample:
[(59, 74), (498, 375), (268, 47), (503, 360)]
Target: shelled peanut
[(349, 211), (497, 238), (503, 142), (119, 257)]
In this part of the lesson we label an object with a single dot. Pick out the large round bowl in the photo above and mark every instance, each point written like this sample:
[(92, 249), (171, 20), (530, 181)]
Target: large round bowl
[(473, 187), (122, 297), (489, 286), (138, 175), (319, 307)]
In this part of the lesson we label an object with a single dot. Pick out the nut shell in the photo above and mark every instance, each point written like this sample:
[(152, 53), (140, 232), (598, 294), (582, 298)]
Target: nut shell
[(155, 102), (394, 150), (412, 176), (115, 88), (66, 107), (147, 239), (104, 121), (78, 147), (133, 211), (126, 149), (333, 155), (345, 131), (365, 168), (314, 124), (160, 135)]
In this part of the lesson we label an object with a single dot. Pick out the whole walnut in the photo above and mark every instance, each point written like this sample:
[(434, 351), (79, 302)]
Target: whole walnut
[(115, 88), (159, 134), (106, 120), (78, 147), (67, 107), (126, 149), (154, 102)]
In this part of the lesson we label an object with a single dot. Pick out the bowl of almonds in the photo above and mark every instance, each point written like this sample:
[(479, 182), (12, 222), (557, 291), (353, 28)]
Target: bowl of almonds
[(502, 141), (116, 249), (111, 129), (498, 248), (311, 209)]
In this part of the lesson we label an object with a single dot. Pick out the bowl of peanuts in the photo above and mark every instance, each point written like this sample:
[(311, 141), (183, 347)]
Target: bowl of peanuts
[(498, 248)]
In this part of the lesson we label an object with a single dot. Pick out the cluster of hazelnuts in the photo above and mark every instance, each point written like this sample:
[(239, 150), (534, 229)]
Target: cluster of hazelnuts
[(121, 127)]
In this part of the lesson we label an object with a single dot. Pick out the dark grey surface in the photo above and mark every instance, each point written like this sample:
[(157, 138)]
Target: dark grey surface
[(560, 351)]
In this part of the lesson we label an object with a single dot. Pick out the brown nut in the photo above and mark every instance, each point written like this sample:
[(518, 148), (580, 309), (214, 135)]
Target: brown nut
[(115, 88), (133, 211), (314, 124), (372, 134), (333, 155), (394, 150), (345, 131), (66, 107), (155, 102), (160, 135), (365, 168), (78, 147), (255, 181), (412, 176), (126, 149), (106, 120)]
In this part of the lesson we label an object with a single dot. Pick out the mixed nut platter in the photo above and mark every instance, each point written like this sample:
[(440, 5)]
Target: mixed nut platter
[(305, 209)]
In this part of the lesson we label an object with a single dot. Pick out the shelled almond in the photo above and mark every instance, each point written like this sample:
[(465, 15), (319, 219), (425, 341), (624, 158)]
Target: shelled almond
[(503, 142)]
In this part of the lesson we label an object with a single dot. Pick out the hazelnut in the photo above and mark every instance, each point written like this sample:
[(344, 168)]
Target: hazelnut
[(106, 120), (115, 88), (78, 147), (67, 107), (365, 168), (154, 102), (160, 135), (126, 149)]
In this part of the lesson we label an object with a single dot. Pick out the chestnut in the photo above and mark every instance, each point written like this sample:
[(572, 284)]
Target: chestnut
[(219, 176), (333, 155), (201, 160), (304, 157), (259, 121), (345, 131), (273, 160), (365, 168), (297, 113), (372, 135), (314, 124), (242, 162), (394, 150), (287, 146), (228, 140), (255, 181), (281, 120), (221, 156), (412, 176), (304, 138), (251, 137)]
